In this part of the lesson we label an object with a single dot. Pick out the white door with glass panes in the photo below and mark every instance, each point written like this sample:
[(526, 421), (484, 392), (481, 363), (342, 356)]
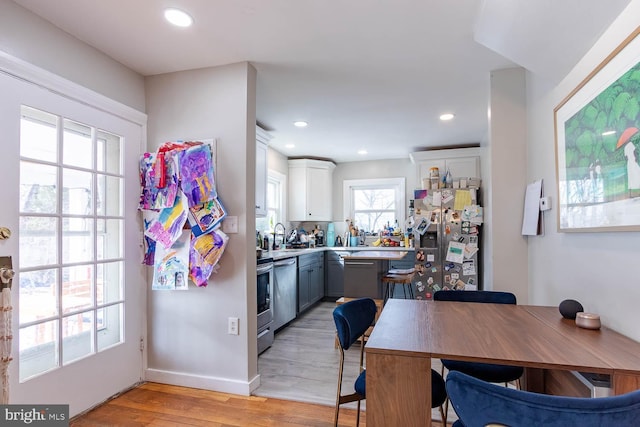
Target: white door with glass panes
[(69, 195)]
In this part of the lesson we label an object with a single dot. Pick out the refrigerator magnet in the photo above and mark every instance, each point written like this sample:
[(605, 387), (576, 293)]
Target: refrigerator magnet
[(422, 227)]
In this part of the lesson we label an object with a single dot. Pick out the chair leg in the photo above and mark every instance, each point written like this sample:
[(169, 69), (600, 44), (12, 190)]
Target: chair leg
[(386, 296), (358, 414), (444, 416), (335, 419), (446, 408)]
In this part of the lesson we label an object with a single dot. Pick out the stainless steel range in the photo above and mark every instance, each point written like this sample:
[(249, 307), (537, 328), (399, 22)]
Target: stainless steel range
[(265, 303)]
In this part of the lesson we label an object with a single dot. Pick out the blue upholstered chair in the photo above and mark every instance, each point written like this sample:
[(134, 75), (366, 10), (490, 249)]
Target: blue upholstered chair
[(485, 371), (352, 320), (479, 403)]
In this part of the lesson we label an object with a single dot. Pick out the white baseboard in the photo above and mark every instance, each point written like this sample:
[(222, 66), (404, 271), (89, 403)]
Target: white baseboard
[(223, 385)]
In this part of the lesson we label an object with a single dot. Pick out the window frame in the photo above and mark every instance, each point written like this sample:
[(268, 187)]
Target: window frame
[(280, 180), (397, 184), (96, 311)]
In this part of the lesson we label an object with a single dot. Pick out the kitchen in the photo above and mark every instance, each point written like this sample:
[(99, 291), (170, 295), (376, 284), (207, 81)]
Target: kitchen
[(314, 298)]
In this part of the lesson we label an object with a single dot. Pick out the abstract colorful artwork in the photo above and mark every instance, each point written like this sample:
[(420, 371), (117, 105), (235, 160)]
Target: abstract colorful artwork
[(206, 217), (205, 253), (197, 175), (152, 195), (166, 226), (171, 267)]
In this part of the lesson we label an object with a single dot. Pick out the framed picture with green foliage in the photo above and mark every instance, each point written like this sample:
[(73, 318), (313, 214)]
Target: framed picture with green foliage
[(598, 146)]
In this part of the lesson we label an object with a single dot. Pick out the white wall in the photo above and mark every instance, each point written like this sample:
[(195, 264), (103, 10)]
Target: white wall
[(506, 259), (277, 161), (597, 269), (188, 340), (396, 168), (26, 36)]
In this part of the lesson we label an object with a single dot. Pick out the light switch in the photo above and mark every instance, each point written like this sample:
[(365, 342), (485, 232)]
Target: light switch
[(545, 203), (230, 224)]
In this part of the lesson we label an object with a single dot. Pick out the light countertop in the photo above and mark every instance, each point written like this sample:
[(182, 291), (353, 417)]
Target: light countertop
[(363, 252), (377, 255)]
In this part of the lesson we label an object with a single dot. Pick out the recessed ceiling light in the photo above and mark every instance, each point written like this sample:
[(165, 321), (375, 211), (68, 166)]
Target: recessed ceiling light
[(300, 124), (178, 18), (290, 146), (362, 152), (447, 116)]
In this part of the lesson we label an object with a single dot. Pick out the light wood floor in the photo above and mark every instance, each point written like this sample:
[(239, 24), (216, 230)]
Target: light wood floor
[(298, 385), (161, 405)]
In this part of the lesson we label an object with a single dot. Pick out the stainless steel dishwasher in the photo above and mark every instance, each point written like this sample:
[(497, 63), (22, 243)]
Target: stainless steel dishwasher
[(285, 291)]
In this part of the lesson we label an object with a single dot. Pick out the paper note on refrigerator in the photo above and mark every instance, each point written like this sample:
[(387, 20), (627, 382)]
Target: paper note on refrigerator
[(470, 250), (473, 214), (437, 198), (463, 198), (468, 267), (455, 252)]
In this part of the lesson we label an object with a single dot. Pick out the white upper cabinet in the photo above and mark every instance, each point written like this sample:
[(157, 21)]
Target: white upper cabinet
[(262, 139), (461, 162), (310, 195)]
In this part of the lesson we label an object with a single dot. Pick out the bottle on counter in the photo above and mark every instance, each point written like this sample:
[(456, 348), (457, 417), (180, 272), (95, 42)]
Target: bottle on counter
[(331, 235)]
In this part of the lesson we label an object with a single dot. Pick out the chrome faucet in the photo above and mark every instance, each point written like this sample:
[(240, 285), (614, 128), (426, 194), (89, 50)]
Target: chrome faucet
[(275, 233)]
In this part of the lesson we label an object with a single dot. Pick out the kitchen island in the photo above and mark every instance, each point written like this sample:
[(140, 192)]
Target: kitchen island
[(346, 266), (366, 251), (364, 270)]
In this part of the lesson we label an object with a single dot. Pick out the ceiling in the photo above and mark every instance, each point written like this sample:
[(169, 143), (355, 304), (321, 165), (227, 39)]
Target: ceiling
[(370, 75)]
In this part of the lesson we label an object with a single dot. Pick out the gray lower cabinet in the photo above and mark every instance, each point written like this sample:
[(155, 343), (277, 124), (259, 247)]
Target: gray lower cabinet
[(363, 278), (310, 280), (408, 261), (335, 275)]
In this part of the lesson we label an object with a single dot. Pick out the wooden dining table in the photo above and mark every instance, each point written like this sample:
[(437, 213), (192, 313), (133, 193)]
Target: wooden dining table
[(409, 333)]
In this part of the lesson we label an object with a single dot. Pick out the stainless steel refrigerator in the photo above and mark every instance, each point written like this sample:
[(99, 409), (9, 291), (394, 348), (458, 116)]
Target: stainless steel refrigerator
[(447, 226)]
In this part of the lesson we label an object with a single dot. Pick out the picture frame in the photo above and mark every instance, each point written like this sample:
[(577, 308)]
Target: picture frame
[(597, 141)]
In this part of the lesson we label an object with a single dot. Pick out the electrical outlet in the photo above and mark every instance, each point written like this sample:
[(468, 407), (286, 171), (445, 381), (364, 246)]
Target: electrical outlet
[(233, 326)]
